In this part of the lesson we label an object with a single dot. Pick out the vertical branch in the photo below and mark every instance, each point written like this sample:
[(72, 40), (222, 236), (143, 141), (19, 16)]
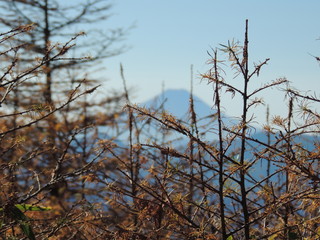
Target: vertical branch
[(221, 150), (85, 136), (266, 220), (243, 136), (191, 143), (133, 164), (12, 169), (162, 109), (269, 143), (288, 159), (47, 34), (47, 92)]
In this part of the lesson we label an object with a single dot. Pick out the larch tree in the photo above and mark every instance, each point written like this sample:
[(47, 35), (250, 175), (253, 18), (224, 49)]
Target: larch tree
[(55, 22), (49, 130)]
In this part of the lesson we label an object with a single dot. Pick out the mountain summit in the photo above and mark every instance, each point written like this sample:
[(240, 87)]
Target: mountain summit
[(177, 101)]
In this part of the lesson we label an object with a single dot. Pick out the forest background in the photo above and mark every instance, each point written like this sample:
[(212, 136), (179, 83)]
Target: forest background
[(76, 164)]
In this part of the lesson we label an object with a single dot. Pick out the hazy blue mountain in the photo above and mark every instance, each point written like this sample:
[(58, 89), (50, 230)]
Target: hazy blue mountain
[(176, 102)]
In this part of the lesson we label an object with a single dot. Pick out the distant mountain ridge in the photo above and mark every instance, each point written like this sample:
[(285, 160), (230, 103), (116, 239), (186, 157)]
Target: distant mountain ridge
[(177, 103)]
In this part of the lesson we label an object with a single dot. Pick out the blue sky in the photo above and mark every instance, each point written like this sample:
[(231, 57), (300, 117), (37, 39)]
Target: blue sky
[(170, 35)]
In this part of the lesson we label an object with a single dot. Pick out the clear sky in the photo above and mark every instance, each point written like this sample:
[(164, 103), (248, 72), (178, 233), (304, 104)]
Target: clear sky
[(170, 35)]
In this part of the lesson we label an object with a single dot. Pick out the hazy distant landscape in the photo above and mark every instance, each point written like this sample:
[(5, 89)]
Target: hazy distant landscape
[(80, 160)]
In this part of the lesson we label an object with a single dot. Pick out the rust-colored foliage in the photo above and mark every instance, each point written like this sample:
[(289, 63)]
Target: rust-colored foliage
[(73, 167)]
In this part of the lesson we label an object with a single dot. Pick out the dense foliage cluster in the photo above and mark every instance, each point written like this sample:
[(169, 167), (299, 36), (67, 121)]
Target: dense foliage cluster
[(76, 167)]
